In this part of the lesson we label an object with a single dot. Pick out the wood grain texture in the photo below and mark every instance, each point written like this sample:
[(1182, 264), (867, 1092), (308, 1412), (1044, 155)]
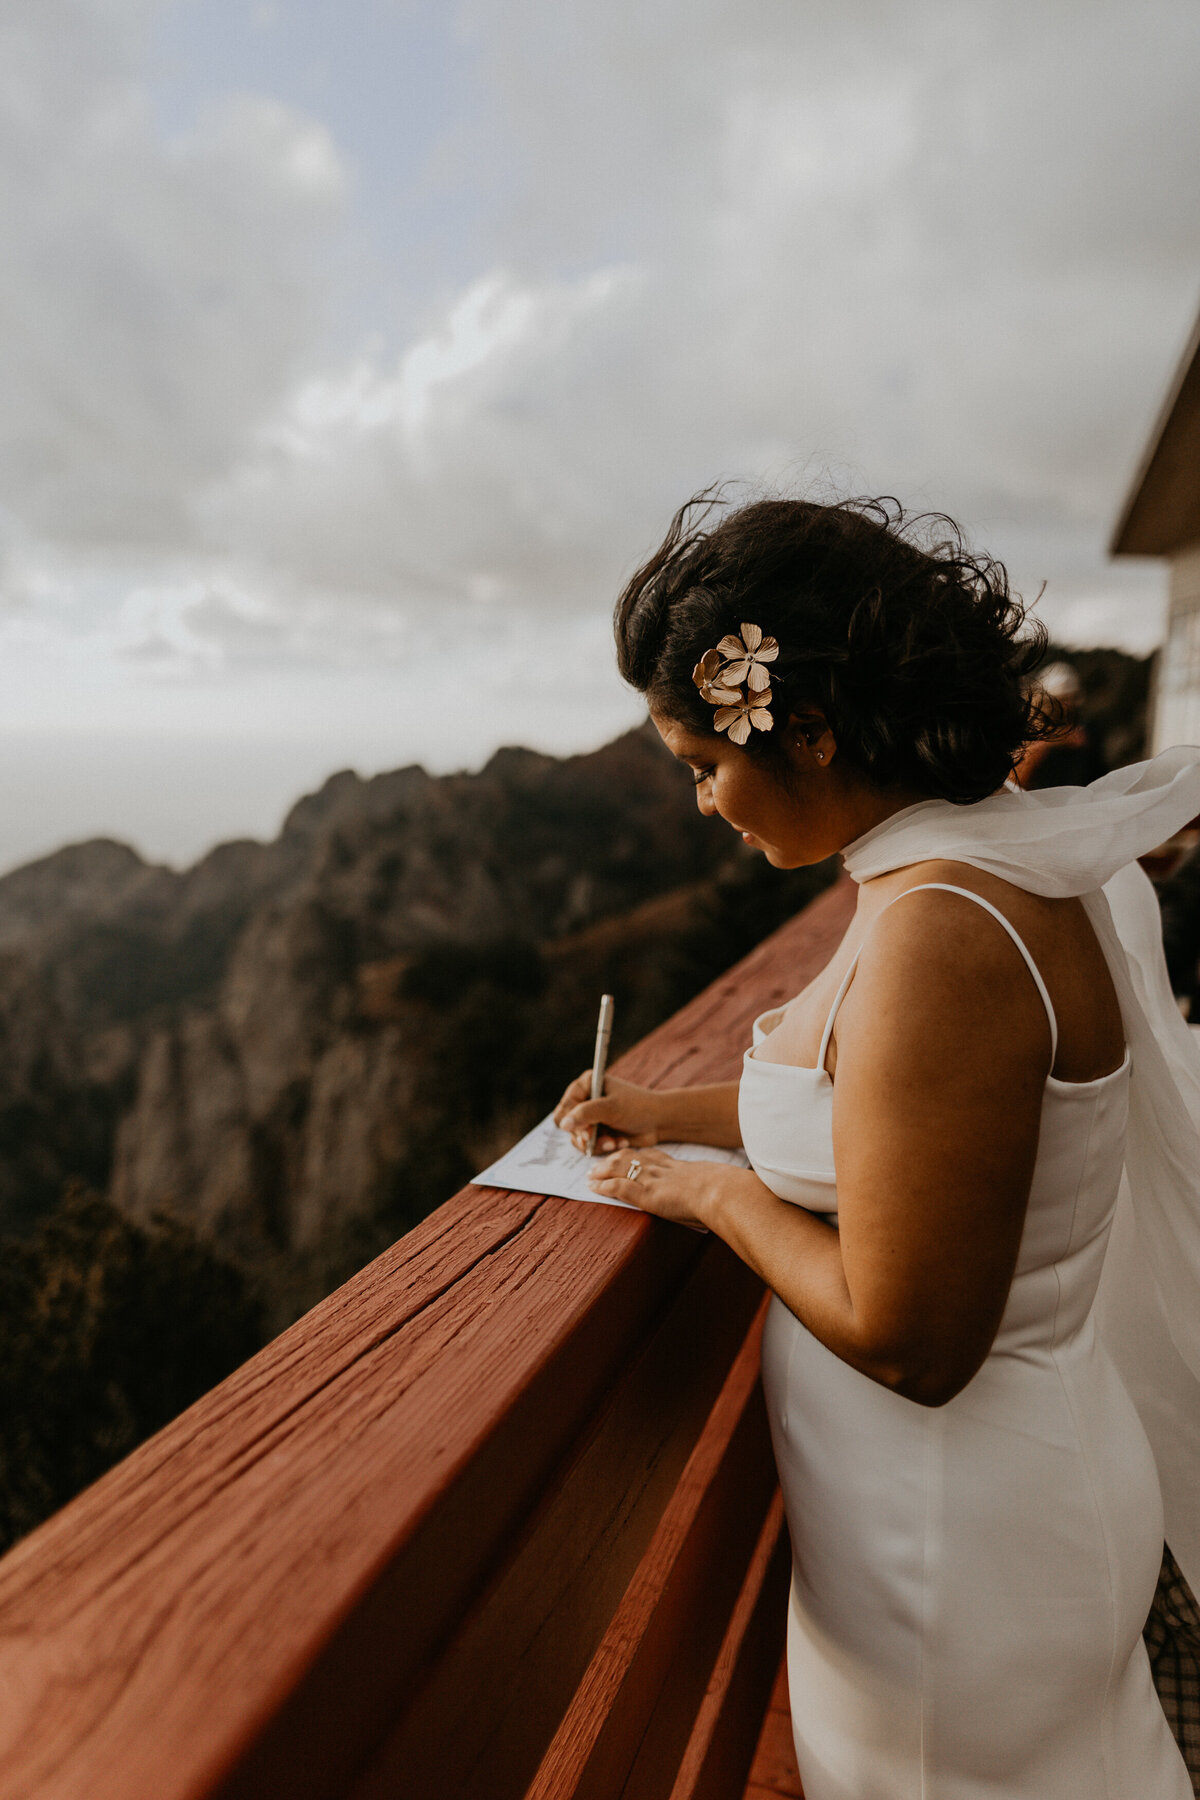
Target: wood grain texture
[(632, 1714), (728, 1724), (522, 1648), (254, 1601), (774, 1770)]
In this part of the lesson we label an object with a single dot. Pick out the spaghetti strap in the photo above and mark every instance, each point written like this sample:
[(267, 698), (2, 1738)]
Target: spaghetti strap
[(945, 887), (847, 978)]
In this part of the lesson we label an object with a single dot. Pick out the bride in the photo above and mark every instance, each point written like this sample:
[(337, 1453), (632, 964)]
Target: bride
[(974, 1180)]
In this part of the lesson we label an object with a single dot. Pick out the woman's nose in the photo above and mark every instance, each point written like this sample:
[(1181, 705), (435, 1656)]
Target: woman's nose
[(704, 800)]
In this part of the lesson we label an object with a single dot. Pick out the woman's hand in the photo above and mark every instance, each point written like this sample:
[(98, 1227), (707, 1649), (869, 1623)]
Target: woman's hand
[(684, 1192), (627, 1114)]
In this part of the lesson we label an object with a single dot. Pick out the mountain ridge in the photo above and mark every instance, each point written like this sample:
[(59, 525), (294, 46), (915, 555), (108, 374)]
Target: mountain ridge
[(293, 1043)]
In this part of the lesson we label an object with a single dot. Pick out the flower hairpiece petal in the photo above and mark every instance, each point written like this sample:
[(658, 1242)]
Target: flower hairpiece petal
[(733, 678)]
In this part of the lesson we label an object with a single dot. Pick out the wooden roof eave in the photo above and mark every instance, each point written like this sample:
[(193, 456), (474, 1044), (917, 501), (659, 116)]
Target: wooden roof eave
[(1161, 513)]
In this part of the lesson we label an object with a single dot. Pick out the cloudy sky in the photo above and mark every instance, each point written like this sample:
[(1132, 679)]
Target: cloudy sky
[(351, 353)]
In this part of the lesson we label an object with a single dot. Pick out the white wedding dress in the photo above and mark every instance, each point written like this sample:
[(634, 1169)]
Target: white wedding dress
[(971, 1581)]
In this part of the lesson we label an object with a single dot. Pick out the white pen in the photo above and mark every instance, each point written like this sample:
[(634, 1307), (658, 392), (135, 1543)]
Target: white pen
[(600, 1059)]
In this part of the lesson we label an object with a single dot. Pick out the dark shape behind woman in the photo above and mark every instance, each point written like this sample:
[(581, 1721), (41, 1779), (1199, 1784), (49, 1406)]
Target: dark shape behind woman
[(936, 1128), (1068, 754)]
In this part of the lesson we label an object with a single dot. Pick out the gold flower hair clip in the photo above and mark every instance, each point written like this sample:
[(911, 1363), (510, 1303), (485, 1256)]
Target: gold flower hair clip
[(734, 678)]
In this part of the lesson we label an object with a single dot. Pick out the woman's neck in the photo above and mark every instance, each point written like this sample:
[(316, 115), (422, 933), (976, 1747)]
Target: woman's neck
[(870, 808)]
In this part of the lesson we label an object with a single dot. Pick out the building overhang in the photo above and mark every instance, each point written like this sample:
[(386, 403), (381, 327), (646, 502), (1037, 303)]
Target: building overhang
[(1162, 512)]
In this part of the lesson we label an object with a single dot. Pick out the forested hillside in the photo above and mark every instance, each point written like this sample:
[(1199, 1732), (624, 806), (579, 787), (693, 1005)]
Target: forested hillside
[(298, 1048)]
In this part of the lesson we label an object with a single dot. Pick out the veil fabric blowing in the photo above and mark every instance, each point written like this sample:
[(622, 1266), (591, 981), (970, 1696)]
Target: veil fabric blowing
[(1085, 841)]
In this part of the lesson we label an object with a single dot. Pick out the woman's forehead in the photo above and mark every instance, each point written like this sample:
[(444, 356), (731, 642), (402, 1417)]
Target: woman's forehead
[(680, 739)]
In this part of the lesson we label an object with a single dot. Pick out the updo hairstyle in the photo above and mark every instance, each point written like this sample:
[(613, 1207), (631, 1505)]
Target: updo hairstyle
[(910, 646)]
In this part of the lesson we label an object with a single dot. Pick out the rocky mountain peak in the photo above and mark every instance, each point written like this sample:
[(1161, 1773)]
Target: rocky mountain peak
[(81, 880)]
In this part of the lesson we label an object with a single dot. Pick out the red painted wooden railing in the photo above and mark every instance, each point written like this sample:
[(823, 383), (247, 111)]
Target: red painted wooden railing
[(496, 1519)]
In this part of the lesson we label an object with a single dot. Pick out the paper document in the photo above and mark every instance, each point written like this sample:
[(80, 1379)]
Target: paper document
[(547, 1162)]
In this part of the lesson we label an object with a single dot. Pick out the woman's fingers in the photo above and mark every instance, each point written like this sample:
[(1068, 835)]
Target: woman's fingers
[(593, 1112), (623, 1140), (608, 1140), (579, 1090), (617, 1140), (611, 1140), (615, 1115), (614, 1167), (611, 1176), (659, 1185), (617, 1187), (616, 1190), (605, 1142)]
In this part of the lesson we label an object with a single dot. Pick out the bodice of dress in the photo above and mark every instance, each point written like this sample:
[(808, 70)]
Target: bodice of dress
[(786, 1116)]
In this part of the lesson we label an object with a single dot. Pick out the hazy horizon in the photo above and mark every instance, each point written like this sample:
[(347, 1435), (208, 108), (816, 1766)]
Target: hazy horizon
[(174, 801)]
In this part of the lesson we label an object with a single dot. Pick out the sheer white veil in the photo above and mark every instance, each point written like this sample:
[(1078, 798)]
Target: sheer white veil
[(1085, 841)]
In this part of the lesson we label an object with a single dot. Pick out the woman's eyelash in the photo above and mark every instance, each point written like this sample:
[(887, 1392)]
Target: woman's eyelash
[(701, 776)]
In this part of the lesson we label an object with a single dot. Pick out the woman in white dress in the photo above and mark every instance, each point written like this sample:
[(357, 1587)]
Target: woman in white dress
[(938, 1128)]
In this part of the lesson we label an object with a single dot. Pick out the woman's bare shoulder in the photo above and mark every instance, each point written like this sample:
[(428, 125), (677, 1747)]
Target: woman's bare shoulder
[(949, 931), (1044, 924), (930, 970), (942, 873), (935, 957)]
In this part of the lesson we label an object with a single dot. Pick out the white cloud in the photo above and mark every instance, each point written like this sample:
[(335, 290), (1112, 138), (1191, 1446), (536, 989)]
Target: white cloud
[(468, 468), (946, 259), (952, 262), (155, 297)]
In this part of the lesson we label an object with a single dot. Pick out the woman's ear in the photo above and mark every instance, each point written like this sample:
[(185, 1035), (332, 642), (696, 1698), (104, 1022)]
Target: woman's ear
[(809, 737)]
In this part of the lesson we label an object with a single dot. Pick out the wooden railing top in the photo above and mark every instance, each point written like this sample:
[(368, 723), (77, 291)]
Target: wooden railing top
[(239, 1607)]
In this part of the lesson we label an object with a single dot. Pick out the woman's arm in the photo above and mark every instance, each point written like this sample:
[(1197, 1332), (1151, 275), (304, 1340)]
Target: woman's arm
[(628, 1114), (942, 1051)]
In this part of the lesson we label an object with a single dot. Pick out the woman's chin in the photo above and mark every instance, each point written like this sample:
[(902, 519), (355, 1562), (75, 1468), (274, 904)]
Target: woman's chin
[(764, 849), (778, 857)]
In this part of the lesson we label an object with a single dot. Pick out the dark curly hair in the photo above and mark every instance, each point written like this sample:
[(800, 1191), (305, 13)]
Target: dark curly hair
[(912, 647)]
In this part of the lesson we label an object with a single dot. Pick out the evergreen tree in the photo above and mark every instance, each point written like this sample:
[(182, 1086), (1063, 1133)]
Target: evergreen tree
[(107, 1330)]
